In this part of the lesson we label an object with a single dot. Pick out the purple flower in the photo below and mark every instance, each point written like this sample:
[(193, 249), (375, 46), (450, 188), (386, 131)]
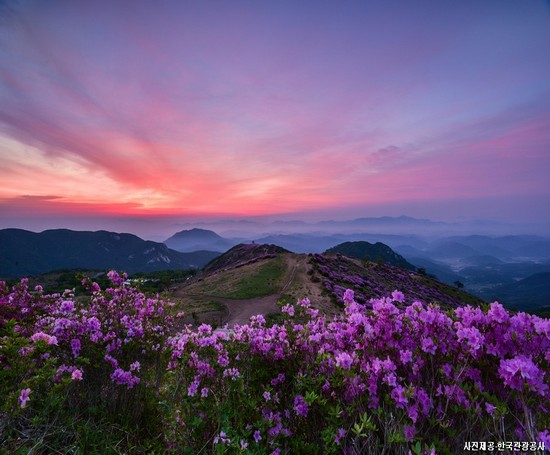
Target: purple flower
[(398, 394), (193, 388), (409, 431), (348, 296), (344, 360), (405, 356), (428, 345), (75, 346), (300, 406), (257, 436), (339, 435), (66, 307), (24, 397), (520, 370), (288, 309), (51, 340), (397, 296), (490, 408), (472, 336), (544, 437)]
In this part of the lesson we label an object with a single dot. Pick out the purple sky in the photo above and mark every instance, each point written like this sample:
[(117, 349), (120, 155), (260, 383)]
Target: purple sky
[(149, 111)]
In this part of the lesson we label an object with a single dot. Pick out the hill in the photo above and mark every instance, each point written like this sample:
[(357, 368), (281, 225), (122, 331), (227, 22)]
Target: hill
[(532, 293), (24, 253), (250, 278), (198, 239), (372, 252), (374, 280), (242, 254)]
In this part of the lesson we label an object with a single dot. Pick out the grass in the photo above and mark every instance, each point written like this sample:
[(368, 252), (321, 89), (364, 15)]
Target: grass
[(265, 281), (252, 280)]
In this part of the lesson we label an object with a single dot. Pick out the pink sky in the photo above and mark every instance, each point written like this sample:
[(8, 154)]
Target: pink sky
[(323, 109)]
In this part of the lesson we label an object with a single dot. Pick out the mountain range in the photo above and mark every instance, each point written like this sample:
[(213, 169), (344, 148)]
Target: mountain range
[(511, 269), (24, 253)]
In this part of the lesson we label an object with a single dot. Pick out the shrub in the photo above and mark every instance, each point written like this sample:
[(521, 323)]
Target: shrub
[(106, 374)]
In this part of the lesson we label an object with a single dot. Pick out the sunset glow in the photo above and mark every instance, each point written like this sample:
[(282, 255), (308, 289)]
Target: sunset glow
[(271, 108)]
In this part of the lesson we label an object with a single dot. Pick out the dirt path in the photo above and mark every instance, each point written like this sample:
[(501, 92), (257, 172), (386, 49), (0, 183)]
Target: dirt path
[(239, 311)]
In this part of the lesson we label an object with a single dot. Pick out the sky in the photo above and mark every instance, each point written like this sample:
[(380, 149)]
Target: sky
[(134, 114)]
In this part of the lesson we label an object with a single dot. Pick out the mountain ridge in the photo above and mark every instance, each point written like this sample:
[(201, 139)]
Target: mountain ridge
[(25, 253), (371, 251)]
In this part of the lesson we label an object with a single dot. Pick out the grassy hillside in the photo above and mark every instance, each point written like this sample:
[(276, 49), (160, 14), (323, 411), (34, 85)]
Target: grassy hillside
[(263, 277), (251, 273)]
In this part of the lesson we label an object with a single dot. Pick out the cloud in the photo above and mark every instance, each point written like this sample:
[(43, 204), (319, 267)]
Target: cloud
[(253, 109)]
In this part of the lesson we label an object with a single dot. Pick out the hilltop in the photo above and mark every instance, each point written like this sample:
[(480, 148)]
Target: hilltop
[(251, 279), (242, 254), (371, 252)]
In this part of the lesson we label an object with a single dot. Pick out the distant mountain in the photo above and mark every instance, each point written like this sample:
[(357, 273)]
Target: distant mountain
[(451, 249), (441, 271), (386, 221), (302, 243), (532, 293), (24, 253), (539, 249), (243, 254), (373, 252), (482, 260), (198, 239), (317, 243)]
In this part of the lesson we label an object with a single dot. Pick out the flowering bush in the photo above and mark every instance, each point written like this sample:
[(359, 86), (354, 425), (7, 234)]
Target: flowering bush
[(380, 376), (366, 380), (100, 354)]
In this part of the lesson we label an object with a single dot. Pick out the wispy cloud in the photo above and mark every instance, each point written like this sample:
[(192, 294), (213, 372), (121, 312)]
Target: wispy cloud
[(269, 108)]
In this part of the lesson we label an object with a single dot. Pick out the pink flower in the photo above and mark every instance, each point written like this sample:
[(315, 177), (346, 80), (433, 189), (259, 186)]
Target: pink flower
[(76, 375), (24, 397), (45, 337), (397, 296), (348, 296), (520, 370)]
